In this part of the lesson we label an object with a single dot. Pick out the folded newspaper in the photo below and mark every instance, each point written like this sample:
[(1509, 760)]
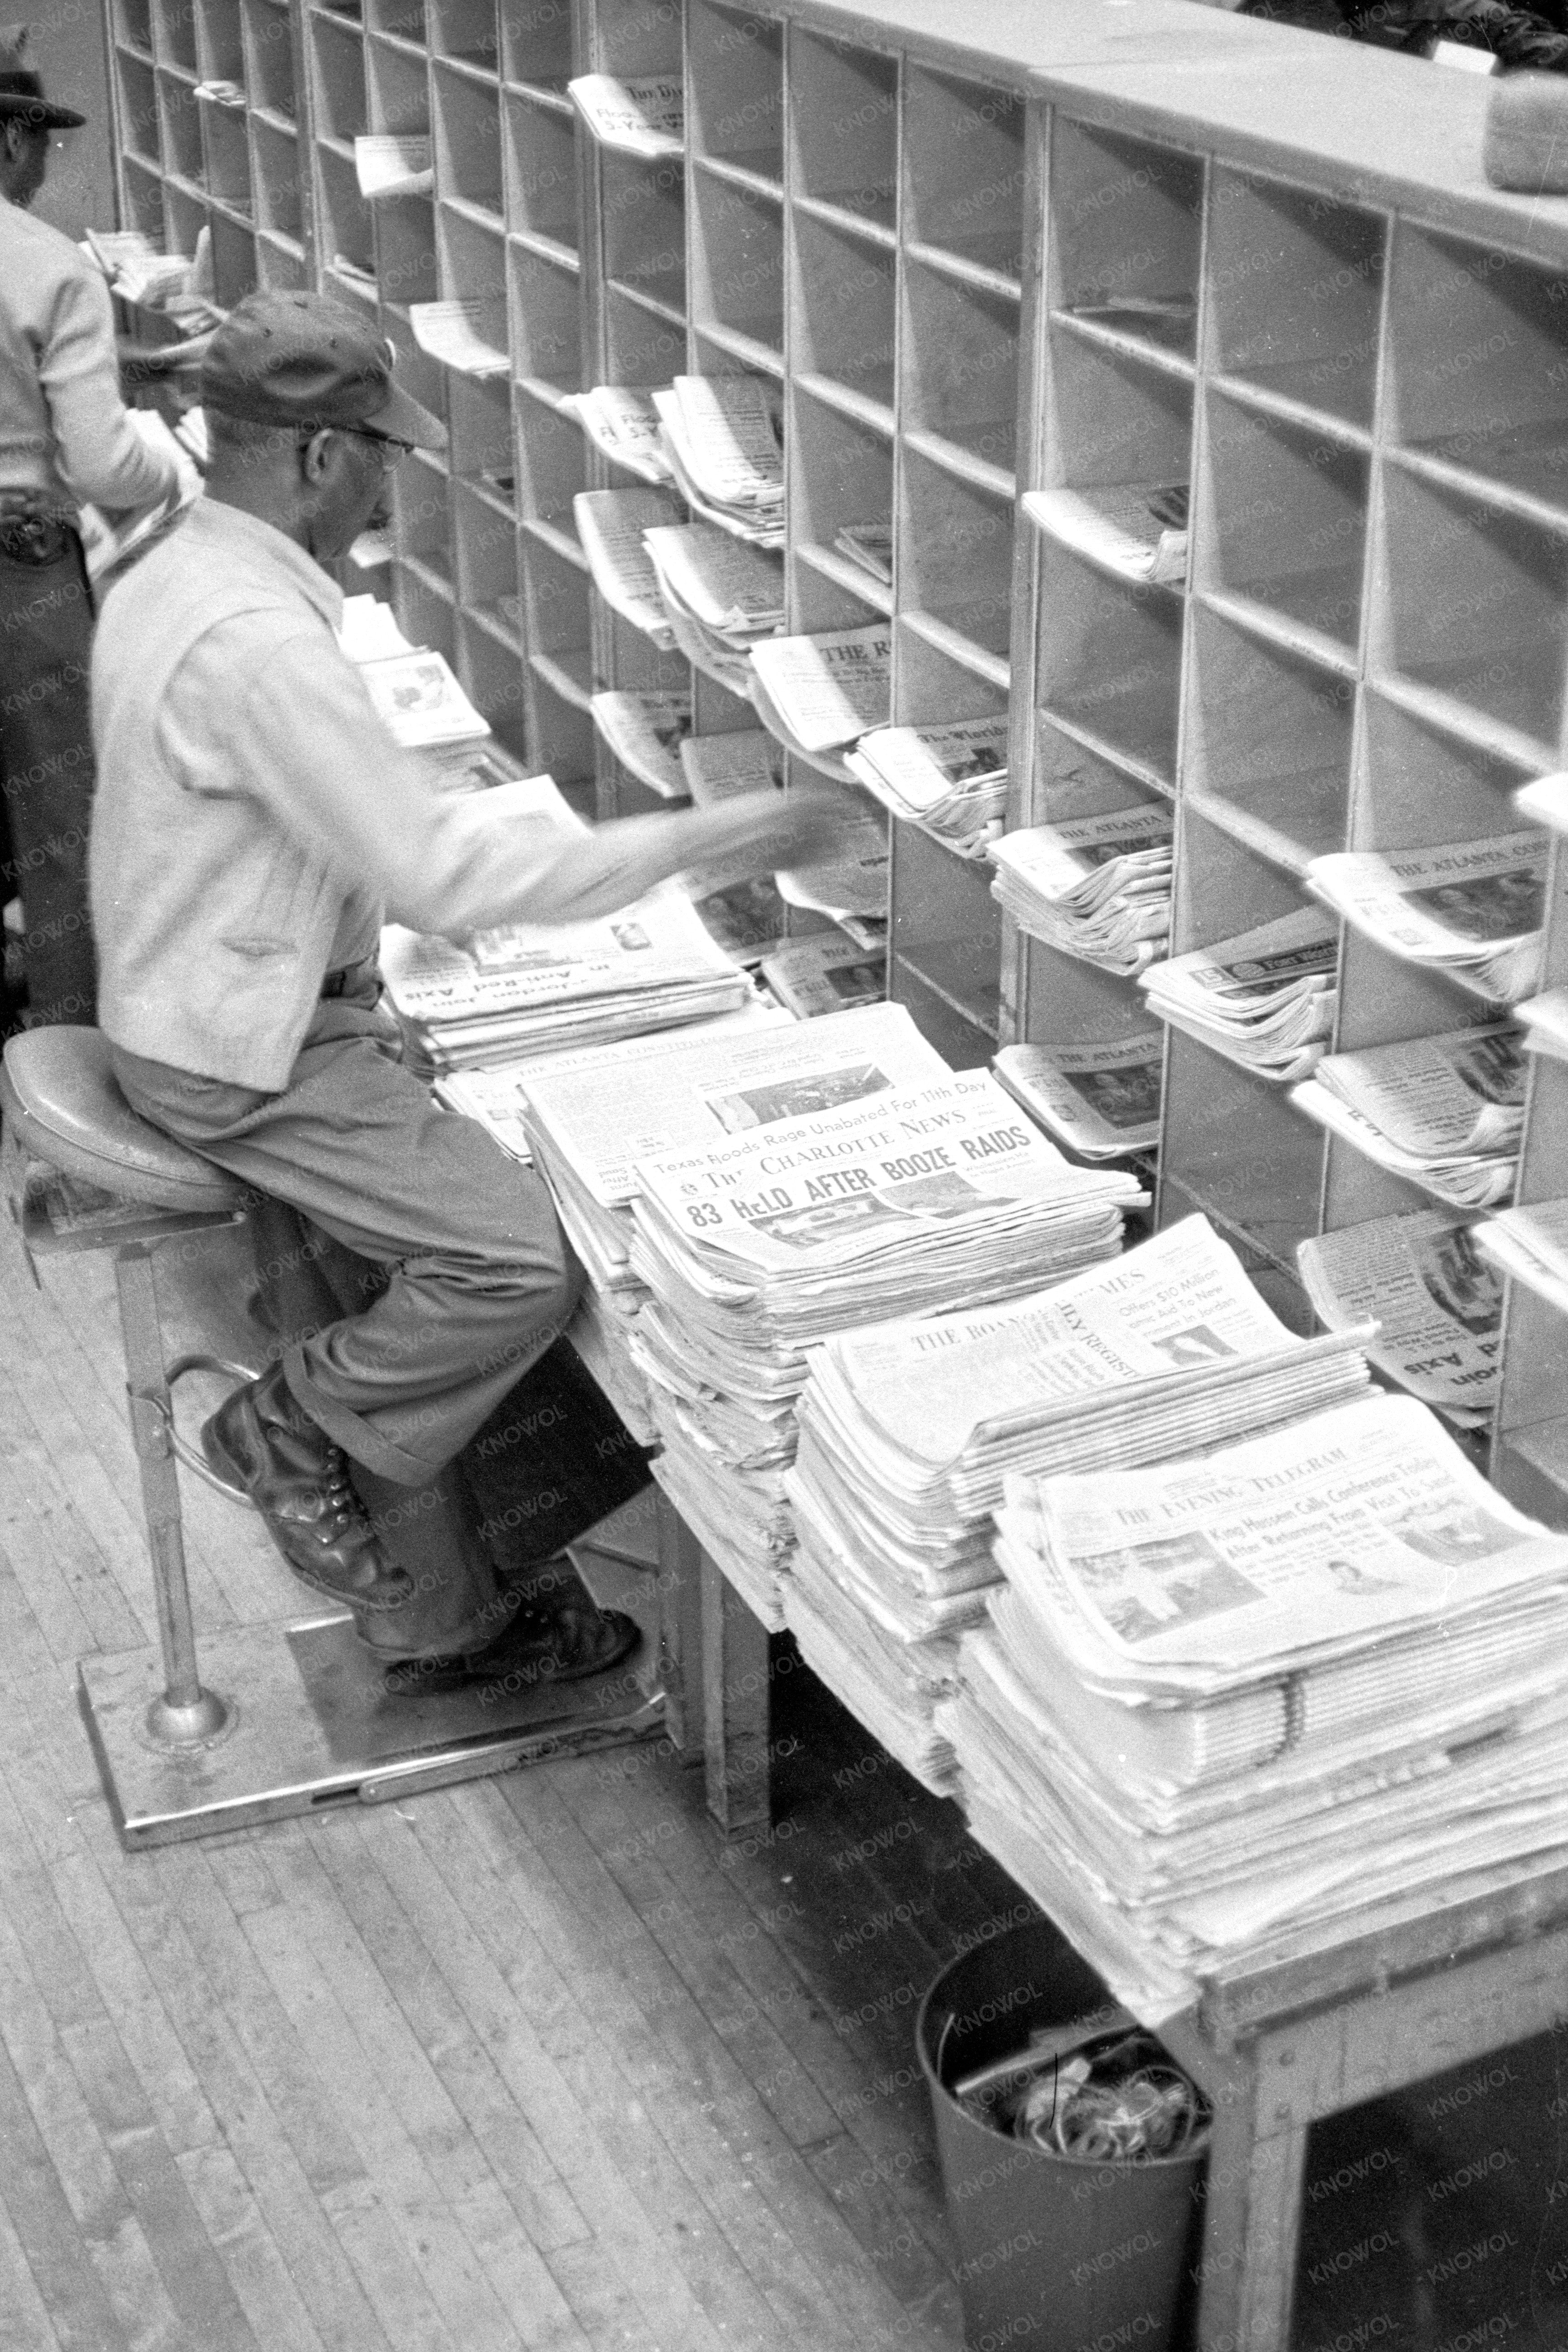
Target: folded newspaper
[(1437, 1303), (723, 436), (1264, 999), (1472, 910), (718, 595), (825, 691), (1100, 1101), (622, 421), (644, 728), (1288, 1692), (1445, 1113), (1532, 1245), (394, 166), (1098, 887), (611, 524), (816, 977), (852, 881), (951, 780), (419, 700), (645, 117), (743, 760), (468, 333), (1137, 530)]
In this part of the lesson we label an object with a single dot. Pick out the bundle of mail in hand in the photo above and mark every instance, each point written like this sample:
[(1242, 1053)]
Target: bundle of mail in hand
[(908, 1431), (1444, 1113), (926, 1199), (1098, 887), (1238, 1706)]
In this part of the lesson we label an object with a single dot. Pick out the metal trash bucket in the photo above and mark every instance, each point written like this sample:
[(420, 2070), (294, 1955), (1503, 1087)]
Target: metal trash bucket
[(1055, 2255)]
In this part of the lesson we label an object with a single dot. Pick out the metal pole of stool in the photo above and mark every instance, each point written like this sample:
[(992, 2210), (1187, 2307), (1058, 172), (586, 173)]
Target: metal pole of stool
[(186, 1715)]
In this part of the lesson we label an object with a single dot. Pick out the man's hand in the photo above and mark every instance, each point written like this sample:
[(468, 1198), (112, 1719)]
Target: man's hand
[(806, 824)]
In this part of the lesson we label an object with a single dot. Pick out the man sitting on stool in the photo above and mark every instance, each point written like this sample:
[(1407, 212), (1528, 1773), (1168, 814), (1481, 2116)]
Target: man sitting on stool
[(254, 826)]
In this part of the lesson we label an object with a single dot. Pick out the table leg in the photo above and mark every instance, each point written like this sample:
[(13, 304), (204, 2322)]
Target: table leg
[(1251, 2225), (734, 1707), (681, 1632)]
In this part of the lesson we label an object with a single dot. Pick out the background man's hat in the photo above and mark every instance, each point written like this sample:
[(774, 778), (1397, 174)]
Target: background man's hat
[(307, 359), (22, 95)]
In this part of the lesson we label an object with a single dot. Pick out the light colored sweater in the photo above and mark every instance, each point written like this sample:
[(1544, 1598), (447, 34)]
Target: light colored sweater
[(65, 436)]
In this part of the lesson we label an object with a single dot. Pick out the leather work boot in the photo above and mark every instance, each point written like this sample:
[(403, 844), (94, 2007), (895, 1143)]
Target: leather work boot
[(549, 1641), (263, 1442)]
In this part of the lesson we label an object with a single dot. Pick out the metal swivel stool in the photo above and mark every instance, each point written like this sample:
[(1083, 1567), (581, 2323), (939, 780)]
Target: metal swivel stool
[(297, 1717)]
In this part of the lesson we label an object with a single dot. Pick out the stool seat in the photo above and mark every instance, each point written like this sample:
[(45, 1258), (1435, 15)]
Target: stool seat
[(60, 1098)]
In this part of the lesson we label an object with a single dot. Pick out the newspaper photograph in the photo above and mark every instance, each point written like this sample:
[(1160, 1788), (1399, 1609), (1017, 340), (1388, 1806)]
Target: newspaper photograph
[(1100, 1101), (1136, 529), (840, 1184), (644, 728), (818, 976), (829, 690), (645, 117), (1275, 1553), (1437, 1303), (468, 333), (1265, 999), (419, 700), (1473, 909), (611, 524), (748, 919)]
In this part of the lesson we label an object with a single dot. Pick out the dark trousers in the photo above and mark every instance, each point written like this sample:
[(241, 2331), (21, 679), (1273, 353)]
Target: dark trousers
[(46, 771), (450, 1279)]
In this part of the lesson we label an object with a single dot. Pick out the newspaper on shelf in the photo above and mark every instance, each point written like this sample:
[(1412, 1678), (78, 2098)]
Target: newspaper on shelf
[(749, 919), (1101, 1101), (419, 700), (1136, 530), (528, 987), (852, 881), (951, 778), (622, 421), (644, 117), (394, 166), (494, 1099), (718, 767), (1472, 910), (870, 546), (645, 727), (1545, 1020), (138, 272), (109, 537), (827, 691), (1233, 1706), (358, 274), (907, 1431), (1264, 999), (611, 524), (1532, 1245), (717, 596), (221, 92), (1445, 1112), (1097, 888), (754, 1248), (1437, 1303), (468, 333), (724, 438), (816, 977)]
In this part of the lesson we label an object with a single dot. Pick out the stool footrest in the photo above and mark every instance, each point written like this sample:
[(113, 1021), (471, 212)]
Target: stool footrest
[(193, 1459)]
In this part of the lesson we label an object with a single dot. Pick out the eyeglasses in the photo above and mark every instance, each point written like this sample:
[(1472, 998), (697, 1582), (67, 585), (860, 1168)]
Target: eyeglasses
[(391, 453)]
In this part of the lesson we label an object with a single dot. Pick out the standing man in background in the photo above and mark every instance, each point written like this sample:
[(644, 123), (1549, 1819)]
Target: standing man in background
[(65, 439)]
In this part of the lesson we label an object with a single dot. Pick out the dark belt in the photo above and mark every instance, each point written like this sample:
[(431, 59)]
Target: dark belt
[(348, 977)]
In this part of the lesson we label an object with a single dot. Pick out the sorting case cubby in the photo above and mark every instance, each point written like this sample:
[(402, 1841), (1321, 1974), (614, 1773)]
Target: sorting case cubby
[(1091, 247)]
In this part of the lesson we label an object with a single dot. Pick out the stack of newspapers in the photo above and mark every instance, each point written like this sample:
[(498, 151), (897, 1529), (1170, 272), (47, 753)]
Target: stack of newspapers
[(1264, 999), (1445, 1113), (587, 1117), (1098, 887), (950, 779), (908, 1431), (1278, 1696), (1472, 910), (622, 420), (934, 1196), (1531, 1244), (645, 727), (534, 988), (1101, 1101), (718, 595), (723, 438), (645, 117), (1437, 1302), (817, 695), (611, 525)]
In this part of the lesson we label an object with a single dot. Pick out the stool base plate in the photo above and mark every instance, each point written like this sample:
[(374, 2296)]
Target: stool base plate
[(314, 1728)]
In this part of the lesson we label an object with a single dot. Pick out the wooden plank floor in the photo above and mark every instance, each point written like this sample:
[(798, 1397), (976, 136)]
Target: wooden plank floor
[(539, 2062)]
